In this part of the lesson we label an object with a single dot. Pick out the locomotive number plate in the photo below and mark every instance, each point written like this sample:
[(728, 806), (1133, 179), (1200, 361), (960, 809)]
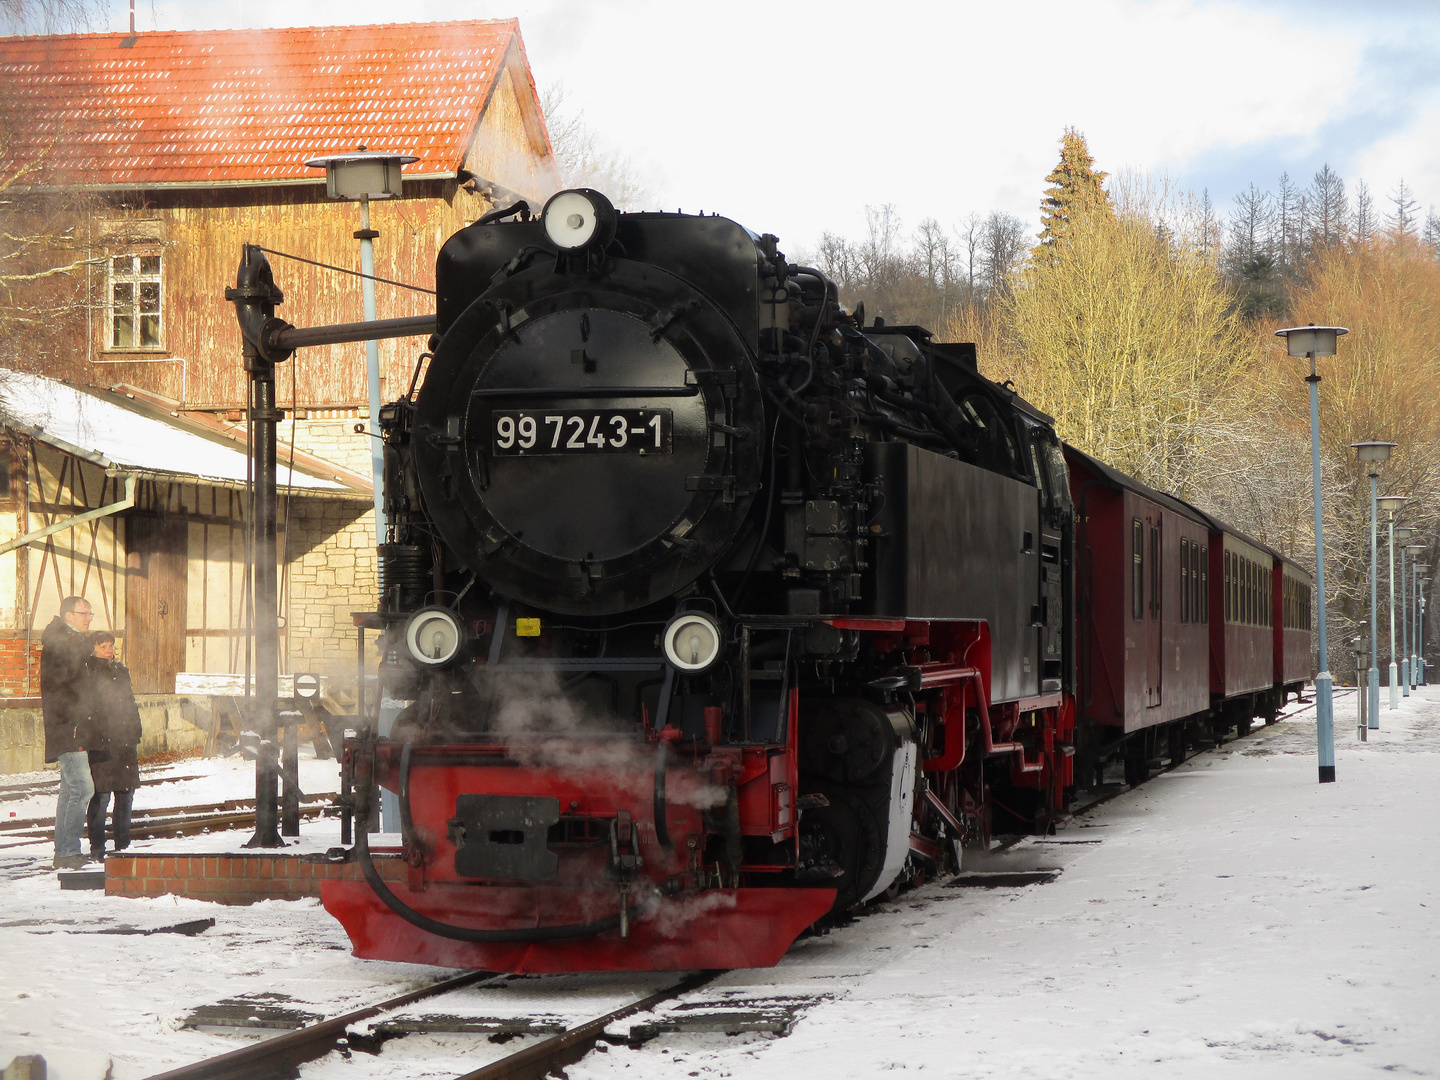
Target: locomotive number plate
[(517, 432)]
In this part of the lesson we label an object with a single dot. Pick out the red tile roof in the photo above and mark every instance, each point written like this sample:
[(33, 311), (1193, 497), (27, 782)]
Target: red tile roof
[(251, 106)]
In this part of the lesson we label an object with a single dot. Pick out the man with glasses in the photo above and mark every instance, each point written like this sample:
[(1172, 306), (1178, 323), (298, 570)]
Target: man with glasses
[(64, 646)]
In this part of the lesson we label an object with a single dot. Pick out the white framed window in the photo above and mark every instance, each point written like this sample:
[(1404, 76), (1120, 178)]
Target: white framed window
[(135, 303)]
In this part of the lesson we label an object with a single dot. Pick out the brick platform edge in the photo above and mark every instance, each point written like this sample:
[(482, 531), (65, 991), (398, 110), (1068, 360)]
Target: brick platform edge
[(232, 878)]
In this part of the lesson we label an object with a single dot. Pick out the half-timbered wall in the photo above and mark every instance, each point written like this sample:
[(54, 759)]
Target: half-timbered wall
[(168, 577)]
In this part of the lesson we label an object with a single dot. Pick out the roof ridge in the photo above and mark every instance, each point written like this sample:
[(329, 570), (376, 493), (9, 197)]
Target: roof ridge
[(142, 34)]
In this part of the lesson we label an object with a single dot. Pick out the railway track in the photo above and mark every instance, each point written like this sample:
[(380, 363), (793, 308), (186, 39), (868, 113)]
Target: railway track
[(16, 792), (164, 821), (282, 1055)]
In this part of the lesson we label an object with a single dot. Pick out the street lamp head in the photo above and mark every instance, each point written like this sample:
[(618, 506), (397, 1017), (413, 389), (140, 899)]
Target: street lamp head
[(1416, 549), (1374, 450), (362, 175), (1404, 532), (1311, 341), (1391, 504)]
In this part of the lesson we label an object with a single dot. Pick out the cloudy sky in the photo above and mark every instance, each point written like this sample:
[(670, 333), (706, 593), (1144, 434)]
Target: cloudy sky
[(792, 117)]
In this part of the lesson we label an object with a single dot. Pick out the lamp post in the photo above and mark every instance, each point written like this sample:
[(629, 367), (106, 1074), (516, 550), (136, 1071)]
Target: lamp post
[(1412, 611), (1357, 646), (363, 176), (1420, 583), (1375, 453), (1391, 505), (1403, 534), (1308, 342)]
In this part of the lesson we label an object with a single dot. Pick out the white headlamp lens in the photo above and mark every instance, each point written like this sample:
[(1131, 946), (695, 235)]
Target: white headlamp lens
[(570, 220), (692, 642), (433, 637)]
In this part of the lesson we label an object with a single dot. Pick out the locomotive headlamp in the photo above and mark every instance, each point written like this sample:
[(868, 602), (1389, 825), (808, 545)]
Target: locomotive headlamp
[(433, 636), (692, 642), (579, 218)]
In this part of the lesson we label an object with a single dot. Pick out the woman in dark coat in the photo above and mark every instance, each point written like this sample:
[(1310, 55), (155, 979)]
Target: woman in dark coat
[(114, 765)]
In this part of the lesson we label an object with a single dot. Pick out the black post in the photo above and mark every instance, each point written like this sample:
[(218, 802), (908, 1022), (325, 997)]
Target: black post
[(255, 297), (290, 775)]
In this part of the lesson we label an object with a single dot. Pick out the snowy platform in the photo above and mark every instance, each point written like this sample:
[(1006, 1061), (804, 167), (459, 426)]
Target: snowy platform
[(1231, 918)]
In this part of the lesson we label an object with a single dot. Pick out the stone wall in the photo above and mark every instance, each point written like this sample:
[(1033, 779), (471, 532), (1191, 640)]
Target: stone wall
[(332, 572), (170, 722), (330, 434)]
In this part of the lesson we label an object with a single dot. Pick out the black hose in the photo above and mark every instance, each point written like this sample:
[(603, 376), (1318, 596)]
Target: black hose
[(448, 930), (765, 524), (499, 215), (824, 303)]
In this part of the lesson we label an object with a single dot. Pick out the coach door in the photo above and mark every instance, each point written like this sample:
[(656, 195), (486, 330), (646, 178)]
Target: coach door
[(1154, 630)]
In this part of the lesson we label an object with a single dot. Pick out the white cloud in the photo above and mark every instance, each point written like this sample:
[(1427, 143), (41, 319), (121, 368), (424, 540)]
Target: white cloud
[(790, 117)]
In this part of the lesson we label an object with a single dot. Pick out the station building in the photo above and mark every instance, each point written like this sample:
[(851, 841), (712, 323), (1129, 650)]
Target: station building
[(142, 163)]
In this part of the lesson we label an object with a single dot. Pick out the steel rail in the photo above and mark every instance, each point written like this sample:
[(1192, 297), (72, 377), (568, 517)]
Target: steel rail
[(153, 815), (284, 1052), (558, 1051), (159, 828)]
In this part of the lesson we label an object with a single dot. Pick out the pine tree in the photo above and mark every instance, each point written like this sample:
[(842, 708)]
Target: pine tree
[(1075, 187), (1329, 209), (1430, 235)]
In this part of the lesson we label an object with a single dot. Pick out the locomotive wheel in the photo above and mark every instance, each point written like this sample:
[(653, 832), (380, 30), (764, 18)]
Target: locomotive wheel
[(1242, 726), (846, 833)]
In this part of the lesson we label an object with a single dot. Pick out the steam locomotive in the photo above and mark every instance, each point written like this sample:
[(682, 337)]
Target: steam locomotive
[(717, 611)]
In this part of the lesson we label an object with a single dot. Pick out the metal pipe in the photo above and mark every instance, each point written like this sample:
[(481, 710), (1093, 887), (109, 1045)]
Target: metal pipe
[(1324, 699), (286, 337)]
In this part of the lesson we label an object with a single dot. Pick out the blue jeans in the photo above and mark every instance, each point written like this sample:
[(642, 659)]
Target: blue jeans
[(76, 788)]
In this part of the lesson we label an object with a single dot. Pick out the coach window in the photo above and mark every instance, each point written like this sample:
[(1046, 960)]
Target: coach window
[(1184, 580), (1154, 571), (1225, 583), (1197, 598), (1204, 583), (1137, 569)]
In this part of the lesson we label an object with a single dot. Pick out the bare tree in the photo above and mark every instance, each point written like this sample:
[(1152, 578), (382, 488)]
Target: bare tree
[(1002, 243), (51, 16), (1402, 220), (1362, 223), (584, 160)]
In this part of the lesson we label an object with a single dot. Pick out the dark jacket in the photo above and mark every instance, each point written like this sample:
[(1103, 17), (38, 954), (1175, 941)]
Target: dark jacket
[(62, 677), (111, 705)]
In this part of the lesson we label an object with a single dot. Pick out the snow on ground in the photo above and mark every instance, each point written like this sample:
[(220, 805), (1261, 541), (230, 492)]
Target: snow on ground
[(1231, 918), (195, 782)]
